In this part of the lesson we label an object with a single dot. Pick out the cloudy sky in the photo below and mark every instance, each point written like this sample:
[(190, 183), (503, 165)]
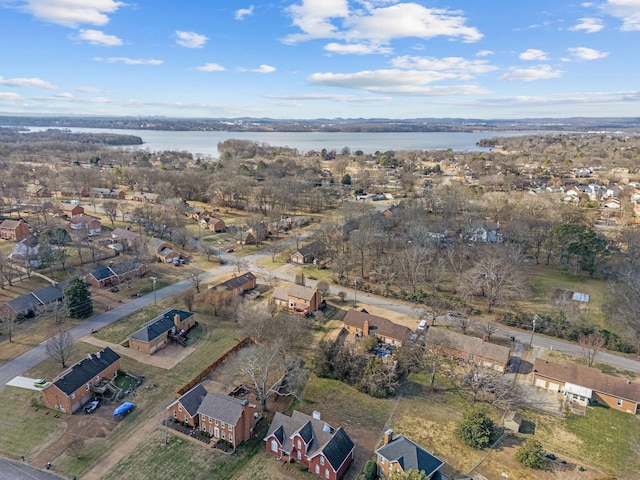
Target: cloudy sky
[(320, 58)]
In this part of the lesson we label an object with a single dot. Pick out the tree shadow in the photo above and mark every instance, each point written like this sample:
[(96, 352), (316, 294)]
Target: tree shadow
[(528, 427)]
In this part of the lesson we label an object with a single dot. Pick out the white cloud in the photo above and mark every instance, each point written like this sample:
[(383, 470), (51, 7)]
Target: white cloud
[(533, 54), (27, 83), (459, 65), (264, 69), (88, 89), (128, 61), (589, 25), (10, 96), (375, 22), (331, 97), (210, 67), (540, 72), (63, 96), (243, 12), (357, 48), (72, 12), (96, 37), (584, 53), (395, 81), (484, 53), (190, 39), (626, 10)]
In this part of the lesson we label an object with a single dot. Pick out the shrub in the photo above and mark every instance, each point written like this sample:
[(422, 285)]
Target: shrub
[(530, 454), (476, 429), (370, 470)]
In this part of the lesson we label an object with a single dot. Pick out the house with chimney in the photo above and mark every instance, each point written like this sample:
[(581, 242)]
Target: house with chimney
[(116, 272), (14, 230), (111, 193), (162, 250), (156, 333), (399, 454), (238, 284), (308, 440), (74, 387), (308, 253), (297, 299), (222, 417), (86, 224), (214, 224), (584, 385), (68, 210), (466, 348), (364, 324), (36, 301), (126, 238)]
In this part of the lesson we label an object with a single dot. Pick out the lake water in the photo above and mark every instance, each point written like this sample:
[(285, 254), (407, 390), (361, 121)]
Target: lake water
[(206, 143)]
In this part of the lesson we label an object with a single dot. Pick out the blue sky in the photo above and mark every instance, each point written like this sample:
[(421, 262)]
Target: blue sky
[(320, 58)]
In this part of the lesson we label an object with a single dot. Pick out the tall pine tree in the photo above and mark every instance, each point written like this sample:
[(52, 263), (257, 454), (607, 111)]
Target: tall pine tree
[(77, 299)]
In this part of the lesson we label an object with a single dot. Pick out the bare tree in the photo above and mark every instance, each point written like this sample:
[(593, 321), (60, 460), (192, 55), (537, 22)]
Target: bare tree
[(300, 279), (60, 347), (8, 320), (195, 278), (463, 323), (489, 328), (323, 288), (590, 344), (111, 211), (187, 299)]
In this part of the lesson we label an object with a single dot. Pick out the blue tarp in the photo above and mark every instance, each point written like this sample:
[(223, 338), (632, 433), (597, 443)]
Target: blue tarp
[(122, 409)]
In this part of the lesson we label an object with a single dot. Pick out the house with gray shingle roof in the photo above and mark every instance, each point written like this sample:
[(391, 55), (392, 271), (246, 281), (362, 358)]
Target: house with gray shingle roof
[(297, 299), (32, 302), (325, 450), (155, 334), (399, 454), (364, 324), (116, 272), (222, 417), (239, 283)]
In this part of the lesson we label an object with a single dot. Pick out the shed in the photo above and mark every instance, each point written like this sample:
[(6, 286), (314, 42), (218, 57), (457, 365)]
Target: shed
[(513, 421)]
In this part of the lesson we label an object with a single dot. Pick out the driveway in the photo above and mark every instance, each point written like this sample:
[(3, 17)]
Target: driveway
[(13, 470)]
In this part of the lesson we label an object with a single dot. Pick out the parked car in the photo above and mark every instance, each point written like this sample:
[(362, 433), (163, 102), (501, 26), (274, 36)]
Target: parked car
[(91, 406), (41, 383), (455, 314), (229, 250)]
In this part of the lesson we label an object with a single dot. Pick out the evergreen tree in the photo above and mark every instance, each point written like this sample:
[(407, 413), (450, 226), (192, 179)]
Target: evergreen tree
[(476, 429), (530, 454), (77, 299)]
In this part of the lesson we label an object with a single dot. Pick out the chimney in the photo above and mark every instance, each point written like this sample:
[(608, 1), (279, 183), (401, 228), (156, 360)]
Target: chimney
[(316, 415), (176, 320), (388, 436), (366, 328), (98, 354)]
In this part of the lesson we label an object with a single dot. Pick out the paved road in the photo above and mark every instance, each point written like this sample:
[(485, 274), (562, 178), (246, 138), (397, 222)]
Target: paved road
[(29, 359), (14, 470)]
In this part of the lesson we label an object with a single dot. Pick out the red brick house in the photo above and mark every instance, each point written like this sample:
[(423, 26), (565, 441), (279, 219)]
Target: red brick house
[(86, 223), (163, 251), (116, 272), (155, 334), (68, 209), (73, 387), (297, 299), (112, 193), (307, 254), (365, 324), (214, 224), (466, 348), (14, 230), (585, 385), (239, 284), (223, 417), (127, 238), (325, 450), (399, 454)]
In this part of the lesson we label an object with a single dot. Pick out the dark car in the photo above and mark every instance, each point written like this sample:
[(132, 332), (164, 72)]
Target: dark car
[(229, 250), (91, 406)]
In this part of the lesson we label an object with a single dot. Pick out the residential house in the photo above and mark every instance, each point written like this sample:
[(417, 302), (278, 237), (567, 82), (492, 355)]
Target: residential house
[(73, 387), (162, 250), (68, 209), (70, 190), (213, 223), (14, 230), (26, 252), (298, 299), (196, 213), (126, 237), (111, 193), (308, 253), (256, 234), (611, 203), (399, 455), (483, 232), (115, 273), (223, 417), (86, 224), (239, 284), (392, 211), (37, 191), (31, 303), (155, 334), (147, 197), (585, 385), (325, 450), (364, 324), (469, 349)]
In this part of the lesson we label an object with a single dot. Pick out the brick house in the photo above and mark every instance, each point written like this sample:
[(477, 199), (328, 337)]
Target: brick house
[(14, 230), (112, 193), (68, 209), (126, 237), (325, 450), (196, 213), (365, 324), (308, 253), (297, 299), (223, 417), (585, 385), (146, 197), (162, 250), (115, 273), (213, 223), (399, 454), (466, 348), (73, 387), (239, 284), (155, 334), (86, 223), (33, 302)]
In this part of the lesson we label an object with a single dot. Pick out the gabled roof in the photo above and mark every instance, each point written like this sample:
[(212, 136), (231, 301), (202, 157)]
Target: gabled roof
[(41, 296), (410, 456), (23, 302), (155, 243), (296, 291), (30, 242), (465, 343), (121, 233), (310, 248), (192, 399), (237, 282), (159, 325), (83, 219), (85, 370), (321, 438), (11, 224), (126, 266), (102, 273), (225, 408), (377, 325), (588, 377)]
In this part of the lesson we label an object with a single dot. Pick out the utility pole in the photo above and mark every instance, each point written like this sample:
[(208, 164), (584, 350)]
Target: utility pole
[(153, 279), (533, 330)]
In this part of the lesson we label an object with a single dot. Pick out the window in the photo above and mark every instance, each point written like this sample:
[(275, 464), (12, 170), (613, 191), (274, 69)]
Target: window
[(86, 387), (230, 438), (321, 460), (97, 378), (299, 444), (619, 402), (210, 420), (326, 473), (175, 414), (216, 422), (223, 435), (210, 430), (73, 395), (274, 446), (222, 424), (317, 469), (299, 455), (216, 432), (179, 407), (204, 427)]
